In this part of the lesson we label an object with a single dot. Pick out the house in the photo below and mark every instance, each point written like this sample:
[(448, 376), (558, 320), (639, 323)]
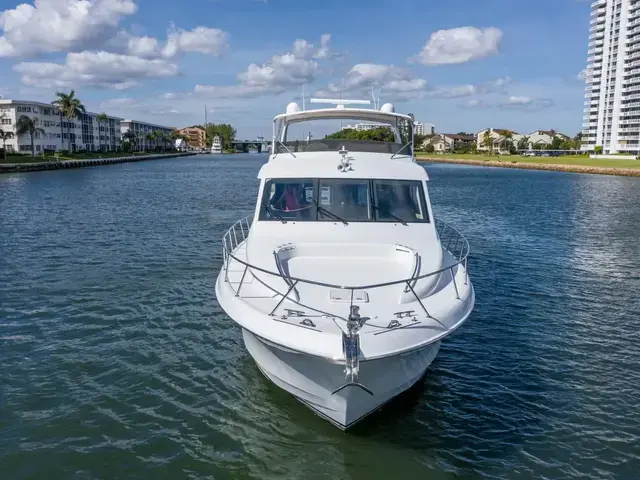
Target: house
[(448, 142), (541, 139), (499, 140)]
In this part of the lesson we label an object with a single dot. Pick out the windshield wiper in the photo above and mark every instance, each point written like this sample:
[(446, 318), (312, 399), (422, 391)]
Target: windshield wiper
[(331, 214), (273, 212), (401, 148), (390, 214)]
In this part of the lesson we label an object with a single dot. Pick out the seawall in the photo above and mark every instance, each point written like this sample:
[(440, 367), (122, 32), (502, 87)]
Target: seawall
[(627, 172), (89, 162)]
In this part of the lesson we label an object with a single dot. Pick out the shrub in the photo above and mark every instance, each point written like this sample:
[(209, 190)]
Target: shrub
[(429, 148)]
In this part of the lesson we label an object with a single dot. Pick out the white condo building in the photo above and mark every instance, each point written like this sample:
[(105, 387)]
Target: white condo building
[(84, 133), (141, 131), (612, 97)]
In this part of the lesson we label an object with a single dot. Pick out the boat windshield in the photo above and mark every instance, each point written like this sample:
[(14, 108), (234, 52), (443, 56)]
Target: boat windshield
[(393, 137), (344, 200)]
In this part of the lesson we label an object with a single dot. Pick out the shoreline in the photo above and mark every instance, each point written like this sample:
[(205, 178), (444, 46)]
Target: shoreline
[(89, 162), (622, 172)]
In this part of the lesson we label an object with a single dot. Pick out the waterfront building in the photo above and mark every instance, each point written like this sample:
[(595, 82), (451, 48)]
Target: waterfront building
[(499, 138), (612, 94), (543, 138), (84, 133), (448, 142), (196, 137), (146, 134)]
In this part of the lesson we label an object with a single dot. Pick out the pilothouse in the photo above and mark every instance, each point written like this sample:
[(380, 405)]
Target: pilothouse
[(342, 281)]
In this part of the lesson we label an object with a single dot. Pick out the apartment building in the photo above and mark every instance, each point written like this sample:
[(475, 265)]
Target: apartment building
[(148, 136), (420, 128), (196, 137), (612, 94), (83, 133), (448, 142)]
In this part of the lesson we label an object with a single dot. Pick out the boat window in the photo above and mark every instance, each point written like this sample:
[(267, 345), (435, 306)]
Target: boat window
[(288, 199), (399, 200), (344, 199)]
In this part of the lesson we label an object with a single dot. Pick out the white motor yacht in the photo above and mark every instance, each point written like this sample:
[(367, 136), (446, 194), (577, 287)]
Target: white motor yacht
[(343, 282), (216, 145)]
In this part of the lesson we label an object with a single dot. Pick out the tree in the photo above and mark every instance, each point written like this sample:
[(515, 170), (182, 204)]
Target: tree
[(160, 138), (556, 143), (225, 131), (129, 140), (30, 126), (70, 107), (102, 118), (430, 148), (4, 136), (151, 137), (523, 143), (507, 137), (487, 141), (380, 134)]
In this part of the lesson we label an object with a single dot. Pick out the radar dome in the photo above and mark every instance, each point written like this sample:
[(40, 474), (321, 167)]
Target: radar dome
[(293, 107), (388, 108)]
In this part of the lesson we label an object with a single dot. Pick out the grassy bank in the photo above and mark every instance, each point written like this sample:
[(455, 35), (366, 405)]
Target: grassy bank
[(567, 163)]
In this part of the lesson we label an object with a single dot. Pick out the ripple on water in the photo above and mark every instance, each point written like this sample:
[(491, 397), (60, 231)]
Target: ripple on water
[(117, 361)]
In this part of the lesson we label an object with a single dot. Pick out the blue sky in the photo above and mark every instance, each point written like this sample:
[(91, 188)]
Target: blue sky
[(459, 64)]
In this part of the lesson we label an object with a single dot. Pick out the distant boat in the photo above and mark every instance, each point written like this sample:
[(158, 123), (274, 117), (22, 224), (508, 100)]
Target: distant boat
[(216, 146)]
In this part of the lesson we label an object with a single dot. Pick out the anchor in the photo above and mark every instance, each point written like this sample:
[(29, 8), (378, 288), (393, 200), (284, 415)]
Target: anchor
[(351, 350)]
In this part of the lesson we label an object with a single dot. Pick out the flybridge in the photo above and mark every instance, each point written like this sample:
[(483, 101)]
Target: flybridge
[(393, 133)]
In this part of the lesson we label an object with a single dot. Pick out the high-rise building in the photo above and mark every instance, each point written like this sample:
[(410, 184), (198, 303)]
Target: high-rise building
[(612, 97), (421, 128)]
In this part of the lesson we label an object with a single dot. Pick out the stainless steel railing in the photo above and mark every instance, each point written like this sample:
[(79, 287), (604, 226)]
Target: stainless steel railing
[(453, 242)]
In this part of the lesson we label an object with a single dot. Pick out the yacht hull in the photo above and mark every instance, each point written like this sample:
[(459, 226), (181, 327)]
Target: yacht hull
[(314, 380)]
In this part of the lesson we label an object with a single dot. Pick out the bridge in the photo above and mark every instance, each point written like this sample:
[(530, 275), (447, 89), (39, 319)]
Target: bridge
[(260, 144)]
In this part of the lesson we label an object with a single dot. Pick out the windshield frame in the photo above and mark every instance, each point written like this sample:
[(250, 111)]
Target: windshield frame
[(313, 214), (401, 126)]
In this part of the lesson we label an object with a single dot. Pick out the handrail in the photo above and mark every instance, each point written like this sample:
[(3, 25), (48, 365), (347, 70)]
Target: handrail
[(230, 242)]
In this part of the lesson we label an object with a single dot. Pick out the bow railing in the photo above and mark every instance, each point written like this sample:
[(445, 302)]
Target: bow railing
[(451, 240)]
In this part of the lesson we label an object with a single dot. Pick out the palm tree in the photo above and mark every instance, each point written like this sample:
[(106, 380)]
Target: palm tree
[(129, 140), (151, 137), (523, 144), (507, 135), (102, 118), (487, 140), (70, 107), (4, 136), (26, 125)]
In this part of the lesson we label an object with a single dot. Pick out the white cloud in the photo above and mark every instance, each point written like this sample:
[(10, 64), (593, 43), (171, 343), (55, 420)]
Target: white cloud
[(474, 104), (94, 69), (460, 45), (281, 73), (391, 81), (497, 86), (127, 107), (60, 25), (209, 41), (523, 102), (519, 100)]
